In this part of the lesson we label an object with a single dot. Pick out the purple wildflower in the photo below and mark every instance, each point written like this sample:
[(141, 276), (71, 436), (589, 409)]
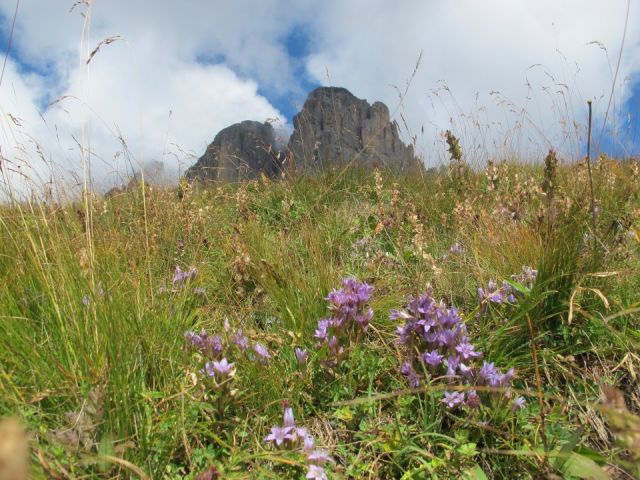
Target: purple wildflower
[(456, 248), (432, 358), (496, 296), (208, 345), (319, 457), (453, 399), (262, 351), (527, 277), (406, 368), (473, 400), (412, 376), (288, 421), (309, 443), (518, 403), (316, 473), (321, 331), (223, 368), (466, 351), (466, 371), (404, 334), (278, 435), (301, 433), (211, 345), (493, 294), (181, 276), (241, 341), (436, 335), (302, 356), (363, 319), (453, 363), (190, 337), (363, 292), (487, 372), (349, 315)]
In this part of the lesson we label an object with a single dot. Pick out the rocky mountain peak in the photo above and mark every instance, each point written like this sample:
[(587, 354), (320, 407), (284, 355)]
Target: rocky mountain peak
[(240, 151), (335, 127)]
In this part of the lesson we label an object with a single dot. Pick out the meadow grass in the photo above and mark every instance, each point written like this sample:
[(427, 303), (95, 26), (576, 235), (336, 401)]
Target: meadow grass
[(94, 362)]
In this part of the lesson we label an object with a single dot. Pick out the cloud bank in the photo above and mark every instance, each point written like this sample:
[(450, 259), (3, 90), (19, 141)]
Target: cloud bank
[(509, 78)]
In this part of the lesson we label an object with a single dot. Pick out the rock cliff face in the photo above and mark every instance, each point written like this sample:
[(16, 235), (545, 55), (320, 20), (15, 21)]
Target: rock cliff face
[(335, 127), (241, 151)]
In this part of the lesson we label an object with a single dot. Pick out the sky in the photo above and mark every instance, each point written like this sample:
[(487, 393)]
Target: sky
[(510, 78)]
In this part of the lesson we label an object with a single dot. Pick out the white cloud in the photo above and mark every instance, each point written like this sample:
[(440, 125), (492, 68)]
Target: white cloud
[(366, 46), (149, 87), (480, 47)]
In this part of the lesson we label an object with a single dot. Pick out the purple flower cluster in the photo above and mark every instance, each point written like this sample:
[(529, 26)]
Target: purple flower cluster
[(494, 294), (526, 277), (350, 316), (214, 349), (221, 369), (292, 437), (209, 346), (456, 249), (437, 345), (181, 277), (436, 339)]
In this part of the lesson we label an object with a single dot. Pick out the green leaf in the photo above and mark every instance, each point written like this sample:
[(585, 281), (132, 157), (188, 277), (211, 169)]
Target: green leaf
[(345, 414), (583, 467), (474, 473), (468, 449)]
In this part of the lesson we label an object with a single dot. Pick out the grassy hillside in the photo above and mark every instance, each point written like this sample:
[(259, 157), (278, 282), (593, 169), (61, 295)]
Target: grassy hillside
[(102, 307)]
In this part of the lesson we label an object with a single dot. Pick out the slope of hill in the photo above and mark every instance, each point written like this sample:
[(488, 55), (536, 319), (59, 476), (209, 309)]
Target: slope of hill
[(359, 324)]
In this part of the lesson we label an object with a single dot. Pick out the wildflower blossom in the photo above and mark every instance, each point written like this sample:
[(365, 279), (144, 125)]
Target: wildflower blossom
[(518, 403), (412, 376), (208, 345), (432, 358), (180, 276), (453, 363), (437, 343), (473, 400), (301, 433), (288, 421), (309, 443), (350, 316), (316, 473), (319, 457), (302, 356), (278, 435), (241, 341), (262, 351), (466, 351), (292, 437), (453, 399), (223, 368), (505, 294), (527, 276)]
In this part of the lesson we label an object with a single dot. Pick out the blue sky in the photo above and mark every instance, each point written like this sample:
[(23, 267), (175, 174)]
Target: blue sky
[(182, 71)]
